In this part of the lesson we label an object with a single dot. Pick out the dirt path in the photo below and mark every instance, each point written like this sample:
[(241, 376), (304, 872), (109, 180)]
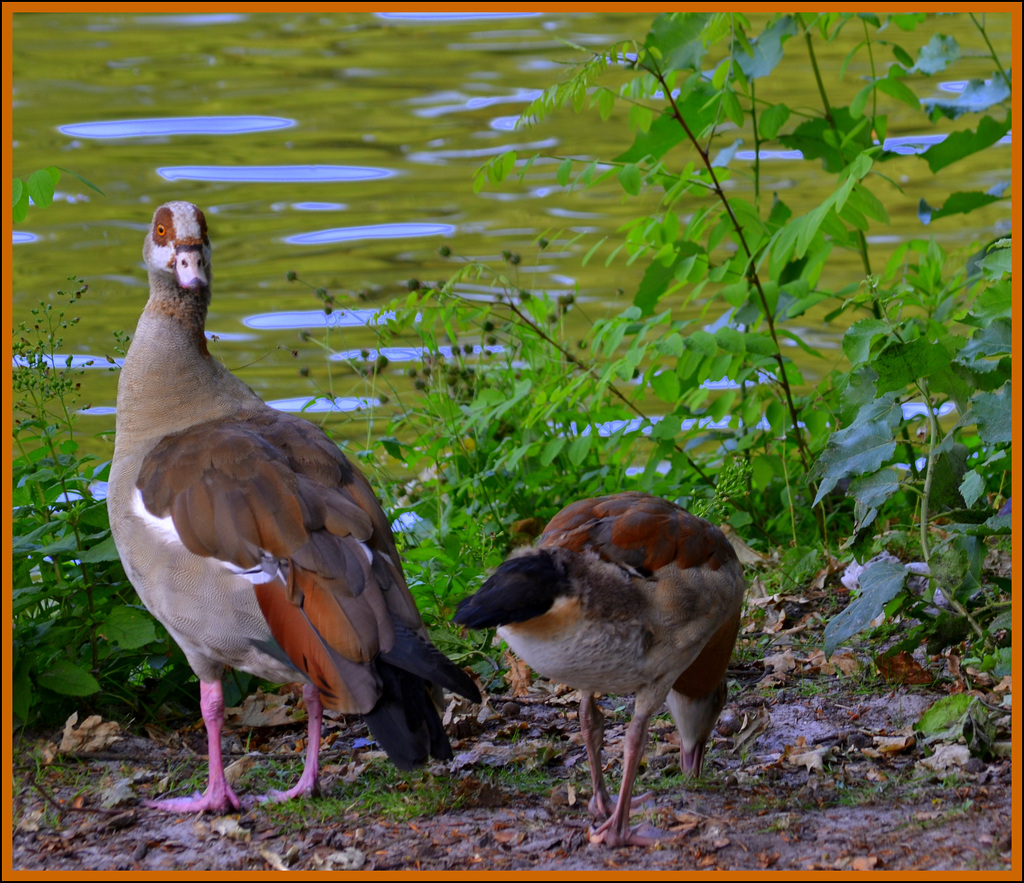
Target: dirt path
[(805, 772)]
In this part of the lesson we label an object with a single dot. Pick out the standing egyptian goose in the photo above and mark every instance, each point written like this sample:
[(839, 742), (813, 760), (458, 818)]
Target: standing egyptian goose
[(626, 593), (252, 538)]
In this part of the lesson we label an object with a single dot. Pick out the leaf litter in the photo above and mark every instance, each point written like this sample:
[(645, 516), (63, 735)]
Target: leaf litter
[(815, 765)]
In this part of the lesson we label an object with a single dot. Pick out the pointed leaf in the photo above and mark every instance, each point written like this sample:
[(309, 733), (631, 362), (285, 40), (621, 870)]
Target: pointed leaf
[(879, 584)]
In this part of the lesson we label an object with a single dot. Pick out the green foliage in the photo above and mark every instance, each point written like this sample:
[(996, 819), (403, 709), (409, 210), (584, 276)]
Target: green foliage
[(39, 187), (652, 400), (79, 630)]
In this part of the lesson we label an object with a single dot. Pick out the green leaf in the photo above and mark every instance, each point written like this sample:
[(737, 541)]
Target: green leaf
[(85, 181), (766, 50), (993, 414), (702, 342), (41, 185), (664, 134), (960, 145), (730, 340), (68, 679), (862, 447), (676, 37), (551, 450), (129, 627), (871, 491), (666, 386), (879, 584), (939, 52), (977, 97), (103, 551), (564, 172), (630, 179), (972, 487), (900, 364), (579, 447), (960, 203), (772, 119), (995, 340), (943, 714), (899, 90)]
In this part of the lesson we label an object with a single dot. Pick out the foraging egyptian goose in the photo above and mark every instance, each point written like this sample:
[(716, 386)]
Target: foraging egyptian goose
[(626, 593), (252, 538)]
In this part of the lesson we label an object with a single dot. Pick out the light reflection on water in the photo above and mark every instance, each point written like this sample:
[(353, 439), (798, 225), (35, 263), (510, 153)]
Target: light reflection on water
[(213, 125), (273, 174), (375, 231)]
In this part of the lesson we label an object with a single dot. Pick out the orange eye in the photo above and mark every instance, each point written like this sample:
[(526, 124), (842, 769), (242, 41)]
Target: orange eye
[(160, 229)]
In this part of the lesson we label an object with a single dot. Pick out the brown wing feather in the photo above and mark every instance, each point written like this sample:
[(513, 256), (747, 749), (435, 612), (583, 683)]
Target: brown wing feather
[(640, 531), (270, 485)]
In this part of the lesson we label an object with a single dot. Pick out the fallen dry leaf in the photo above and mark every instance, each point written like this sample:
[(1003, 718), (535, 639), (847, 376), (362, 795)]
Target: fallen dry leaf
[(843, 661), (234, 771), (753, 725), (948, 756), (518, 675), (227, 826), (902, 668), (92, 735), (261, 709), (800, 754), (348, 859), (279, 862)]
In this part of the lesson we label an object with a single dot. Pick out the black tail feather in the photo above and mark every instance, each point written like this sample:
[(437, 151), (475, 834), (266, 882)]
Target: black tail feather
[(405, 722), (416, 655)]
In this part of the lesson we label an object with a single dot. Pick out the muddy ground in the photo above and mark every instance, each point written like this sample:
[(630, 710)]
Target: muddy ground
[(809, 769)]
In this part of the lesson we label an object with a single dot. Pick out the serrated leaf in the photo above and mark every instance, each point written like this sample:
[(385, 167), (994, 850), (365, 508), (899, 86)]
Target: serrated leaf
[(103, 551), (879, 584), (995, 340), (900, 364), (666, 386), (976, 97), (861, 448), (871, 491), (993, 414), (859, 336), (936, 55), (972, 487), (960, 145)]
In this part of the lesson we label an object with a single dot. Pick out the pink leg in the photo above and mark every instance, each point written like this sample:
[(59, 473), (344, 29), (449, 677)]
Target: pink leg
[(602, 805), (218, 797), (615, 831), (592, 728), (307, 784)]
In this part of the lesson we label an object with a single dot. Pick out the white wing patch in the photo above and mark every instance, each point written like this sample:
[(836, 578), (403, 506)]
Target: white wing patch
[(268, 570), (161, 527)]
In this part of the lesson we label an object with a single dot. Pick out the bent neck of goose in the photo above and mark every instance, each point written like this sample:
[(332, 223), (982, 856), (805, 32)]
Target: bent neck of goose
[(169, 376)]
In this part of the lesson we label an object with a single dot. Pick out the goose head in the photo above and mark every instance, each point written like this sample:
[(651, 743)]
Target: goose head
[(177, 247)]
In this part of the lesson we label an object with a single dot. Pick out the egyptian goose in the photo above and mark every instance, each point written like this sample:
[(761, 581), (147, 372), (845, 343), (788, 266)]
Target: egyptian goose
[(252, 538), (626, 593)]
